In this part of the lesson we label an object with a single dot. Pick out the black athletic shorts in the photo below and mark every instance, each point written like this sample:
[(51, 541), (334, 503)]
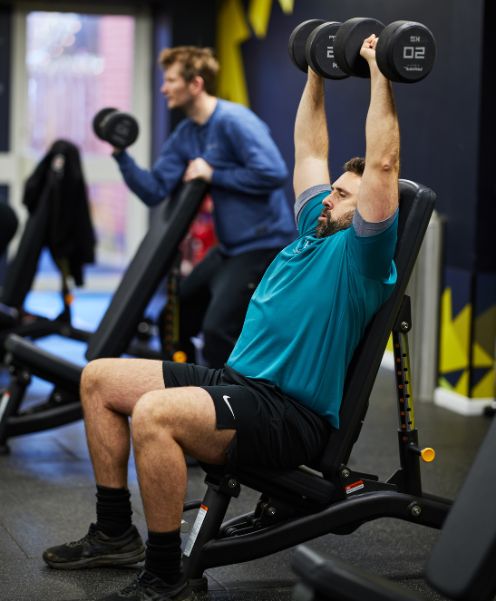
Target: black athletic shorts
[(272, 429)]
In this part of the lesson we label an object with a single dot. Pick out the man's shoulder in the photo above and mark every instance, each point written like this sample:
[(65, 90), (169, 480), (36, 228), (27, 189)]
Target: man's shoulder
[(233, 111)]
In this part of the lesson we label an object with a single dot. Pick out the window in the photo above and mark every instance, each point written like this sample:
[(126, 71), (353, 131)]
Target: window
[(76, 64)]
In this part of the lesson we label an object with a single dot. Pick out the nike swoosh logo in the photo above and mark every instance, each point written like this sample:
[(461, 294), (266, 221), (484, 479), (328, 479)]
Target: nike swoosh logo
[(226, 398)]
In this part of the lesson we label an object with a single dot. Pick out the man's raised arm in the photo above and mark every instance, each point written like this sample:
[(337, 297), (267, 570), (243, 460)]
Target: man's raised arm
[(378, 194), (311, 139)]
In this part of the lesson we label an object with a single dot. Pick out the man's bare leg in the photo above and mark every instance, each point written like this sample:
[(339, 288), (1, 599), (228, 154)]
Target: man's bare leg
[(110, 389), (166, 424)]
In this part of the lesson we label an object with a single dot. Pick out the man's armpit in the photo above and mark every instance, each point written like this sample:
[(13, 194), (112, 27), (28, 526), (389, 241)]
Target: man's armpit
[(364, 228)]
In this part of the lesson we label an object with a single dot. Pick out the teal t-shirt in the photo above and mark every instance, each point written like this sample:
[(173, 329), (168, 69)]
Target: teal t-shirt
[(310, 309)]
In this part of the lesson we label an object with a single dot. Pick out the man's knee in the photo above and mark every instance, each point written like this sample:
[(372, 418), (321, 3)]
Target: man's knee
[(171, 414), (152, 418), (93, 379)]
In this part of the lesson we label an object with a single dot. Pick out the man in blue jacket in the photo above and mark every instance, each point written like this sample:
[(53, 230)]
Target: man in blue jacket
[(227, 145), (278, 397)]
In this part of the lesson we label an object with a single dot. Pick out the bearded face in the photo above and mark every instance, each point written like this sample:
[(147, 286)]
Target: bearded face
[(328, 225)]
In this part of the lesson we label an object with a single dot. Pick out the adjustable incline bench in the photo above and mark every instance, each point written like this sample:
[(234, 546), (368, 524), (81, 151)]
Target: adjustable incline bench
[(301, 504), (154, 258), (461, 565)]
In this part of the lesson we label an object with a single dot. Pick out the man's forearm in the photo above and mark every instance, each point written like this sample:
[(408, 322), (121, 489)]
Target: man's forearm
[(381, 128), (142, 182), (310, 132)]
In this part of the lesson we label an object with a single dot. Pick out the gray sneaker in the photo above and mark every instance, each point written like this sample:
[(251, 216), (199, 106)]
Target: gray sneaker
[(96, 549), (147, 587)]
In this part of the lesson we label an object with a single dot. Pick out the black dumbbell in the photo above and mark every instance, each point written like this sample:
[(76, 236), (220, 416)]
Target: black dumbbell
[(298, 40), (312, 43), (99, 118), (116, 127), (405, 51), (348, 42), (319, 50)]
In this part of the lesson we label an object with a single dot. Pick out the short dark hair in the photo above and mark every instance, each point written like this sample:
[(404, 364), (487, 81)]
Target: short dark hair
[(194, 62), (355, 165)]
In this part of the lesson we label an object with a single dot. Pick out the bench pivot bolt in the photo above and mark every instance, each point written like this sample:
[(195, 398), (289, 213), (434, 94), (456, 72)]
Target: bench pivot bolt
[(415, 509)]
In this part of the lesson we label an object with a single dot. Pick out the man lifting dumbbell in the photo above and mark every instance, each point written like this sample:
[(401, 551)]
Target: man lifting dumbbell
[(280, 393), (227, 145)]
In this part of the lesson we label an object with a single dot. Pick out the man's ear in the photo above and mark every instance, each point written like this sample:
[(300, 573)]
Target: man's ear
[(197, 84)]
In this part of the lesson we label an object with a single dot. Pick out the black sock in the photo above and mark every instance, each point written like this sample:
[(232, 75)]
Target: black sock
[(163, 555), (113, 510)]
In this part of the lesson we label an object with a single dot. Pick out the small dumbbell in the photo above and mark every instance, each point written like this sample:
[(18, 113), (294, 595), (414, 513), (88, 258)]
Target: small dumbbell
[(116, 127), (405, 51), (312, 43)]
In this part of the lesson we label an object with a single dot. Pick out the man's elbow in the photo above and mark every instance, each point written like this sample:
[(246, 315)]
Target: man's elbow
[(276, 177), (151, 198), (283, 176), (388, 164)]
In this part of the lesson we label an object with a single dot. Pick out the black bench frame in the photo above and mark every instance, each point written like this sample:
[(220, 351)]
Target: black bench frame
[(21, 272), (461, 564), (301, 504), (154, 258)]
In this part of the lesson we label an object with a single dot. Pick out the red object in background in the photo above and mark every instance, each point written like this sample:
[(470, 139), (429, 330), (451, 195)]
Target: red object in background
[(200, 238)]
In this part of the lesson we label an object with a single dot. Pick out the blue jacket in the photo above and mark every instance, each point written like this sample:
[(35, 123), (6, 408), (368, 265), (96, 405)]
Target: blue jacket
[(250, 207)]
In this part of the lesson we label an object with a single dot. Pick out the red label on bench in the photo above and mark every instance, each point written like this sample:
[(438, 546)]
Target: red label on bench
[(354, 487)]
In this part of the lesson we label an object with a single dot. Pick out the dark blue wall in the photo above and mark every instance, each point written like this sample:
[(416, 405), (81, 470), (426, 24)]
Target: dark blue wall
[(162, 38), (486, 207)]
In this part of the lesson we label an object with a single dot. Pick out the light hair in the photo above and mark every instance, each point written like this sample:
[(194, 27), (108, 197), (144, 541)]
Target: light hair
[(194, 62)]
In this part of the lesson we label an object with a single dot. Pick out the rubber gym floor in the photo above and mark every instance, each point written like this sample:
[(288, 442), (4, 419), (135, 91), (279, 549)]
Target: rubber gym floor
[(47, 497)]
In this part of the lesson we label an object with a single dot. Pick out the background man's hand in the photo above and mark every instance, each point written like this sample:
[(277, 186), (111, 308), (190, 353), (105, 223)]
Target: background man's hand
[(198, 168)]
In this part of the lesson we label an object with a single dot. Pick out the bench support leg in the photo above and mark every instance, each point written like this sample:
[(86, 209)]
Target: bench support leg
[(208, 522)]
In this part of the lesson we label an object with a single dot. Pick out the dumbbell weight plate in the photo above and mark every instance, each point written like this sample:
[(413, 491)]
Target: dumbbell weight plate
[(120, 129), (349, 40), (99, 118), (319, 51), (406, 51), (297, 41)]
